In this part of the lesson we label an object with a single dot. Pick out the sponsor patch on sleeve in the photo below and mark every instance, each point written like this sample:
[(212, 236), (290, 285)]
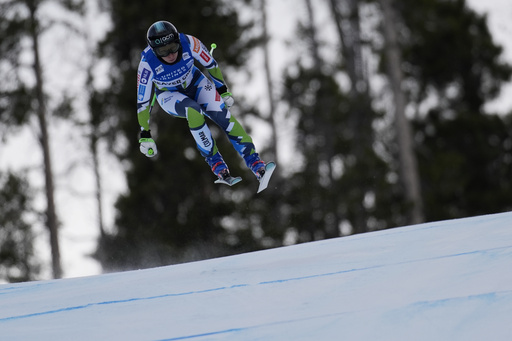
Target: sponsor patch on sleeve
[(197, 45), (142, 90), (205, 57), (145, 76)]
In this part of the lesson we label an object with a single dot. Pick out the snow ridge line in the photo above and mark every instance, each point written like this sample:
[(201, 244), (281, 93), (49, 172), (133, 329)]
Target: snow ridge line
[(486, 296), (276, 281), (491, 296), (386, 265), (55, 311), (234, 330)]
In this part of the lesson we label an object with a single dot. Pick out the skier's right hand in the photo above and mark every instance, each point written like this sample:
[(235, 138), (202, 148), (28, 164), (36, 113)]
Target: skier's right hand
[(228, 99), (147, 144)]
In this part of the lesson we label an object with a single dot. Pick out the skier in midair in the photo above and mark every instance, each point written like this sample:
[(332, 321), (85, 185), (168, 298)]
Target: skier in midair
[(182, 90)]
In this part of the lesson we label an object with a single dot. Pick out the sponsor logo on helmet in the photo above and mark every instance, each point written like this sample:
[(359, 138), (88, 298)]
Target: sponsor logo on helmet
[(164, 40)]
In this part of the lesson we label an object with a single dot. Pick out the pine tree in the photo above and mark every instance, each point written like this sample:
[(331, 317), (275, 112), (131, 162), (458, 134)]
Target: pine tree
[(343, 181), (463, 152), (17, 259), (172, 211), (22, 26)]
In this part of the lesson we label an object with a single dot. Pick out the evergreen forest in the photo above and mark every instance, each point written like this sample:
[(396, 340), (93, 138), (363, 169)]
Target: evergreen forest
[(374, 111)]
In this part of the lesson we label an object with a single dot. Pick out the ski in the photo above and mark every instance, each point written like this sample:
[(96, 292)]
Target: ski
[(269, 169), (230, 181)]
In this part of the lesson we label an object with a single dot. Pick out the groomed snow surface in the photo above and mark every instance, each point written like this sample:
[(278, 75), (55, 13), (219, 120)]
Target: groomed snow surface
[(449, 280)]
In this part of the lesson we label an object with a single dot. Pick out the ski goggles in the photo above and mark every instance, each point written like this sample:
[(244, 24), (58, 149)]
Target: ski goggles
[(164, 51)]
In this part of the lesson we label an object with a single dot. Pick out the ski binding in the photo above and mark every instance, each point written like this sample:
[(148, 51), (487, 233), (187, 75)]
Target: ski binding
[(269, 169)]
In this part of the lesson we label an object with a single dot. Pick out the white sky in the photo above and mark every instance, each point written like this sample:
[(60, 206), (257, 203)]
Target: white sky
[(499, 13), (73, 175)]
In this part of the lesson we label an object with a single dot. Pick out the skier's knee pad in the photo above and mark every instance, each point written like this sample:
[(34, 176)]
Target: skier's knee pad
[(194, 117)]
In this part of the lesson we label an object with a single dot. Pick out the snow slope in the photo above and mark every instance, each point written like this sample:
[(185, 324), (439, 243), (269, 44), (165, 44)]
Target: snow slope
[(449, 280)]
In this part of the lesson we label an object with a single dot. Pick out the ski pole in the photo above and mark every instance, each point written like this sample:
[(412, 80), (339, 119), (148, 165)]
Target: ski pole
[(213, 47), (152, 103)]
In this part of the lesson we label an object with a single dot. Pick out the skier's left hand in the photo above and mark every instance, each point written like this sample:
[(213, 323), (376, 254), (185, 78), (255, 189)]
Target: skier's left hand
[(148, 147), (228, 99), (147, 144)]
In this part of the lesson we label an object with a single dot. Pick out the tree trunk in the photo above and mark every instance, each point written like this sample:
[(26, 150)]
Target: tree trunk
[(94, 138), (347, 25), (97, 177), (347, 20), (51, 216), (324, 129), (268, 76), (408, 163), (315, 47)]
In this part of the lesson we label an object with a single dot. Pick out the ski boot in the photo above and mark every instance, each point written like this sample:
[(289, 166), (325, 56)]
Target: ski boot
[(220, 169), (216, 163), (255, 165), (262, 170)]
